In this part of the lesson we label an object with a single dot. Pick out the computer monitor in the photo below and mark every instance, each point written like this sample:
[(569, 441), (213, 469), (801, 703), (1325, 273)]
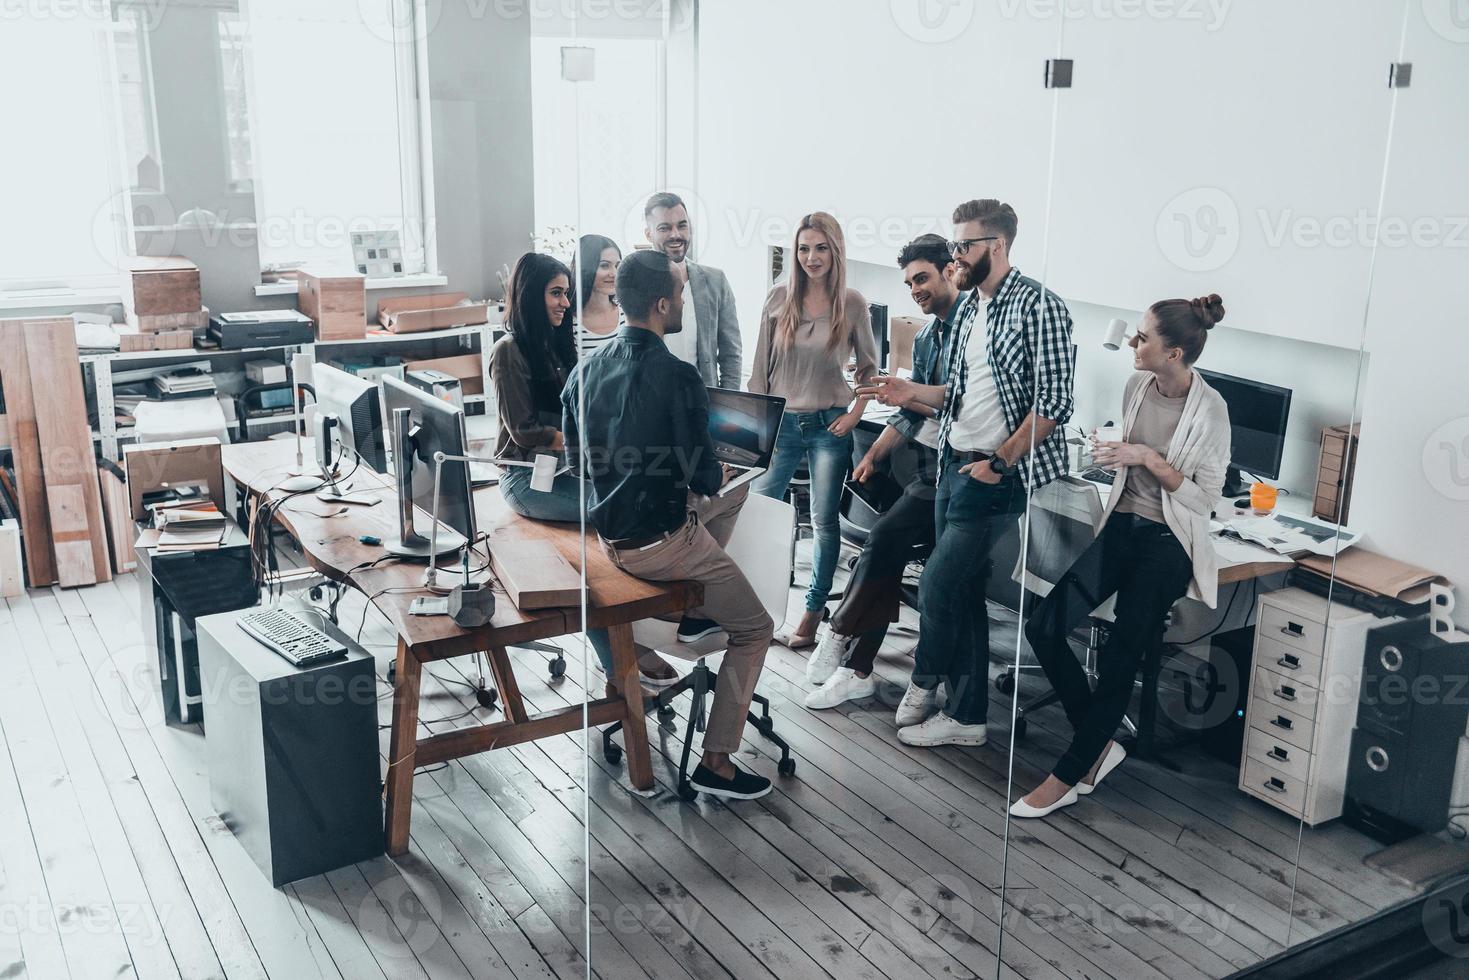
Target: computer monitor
[(879, 314), (431, 425), (359, 411), (1257, 418)]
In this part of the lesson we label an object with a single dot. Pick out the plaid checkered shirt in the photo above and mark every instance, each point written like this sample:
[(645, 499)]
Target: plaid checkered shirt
[(1032, 359)]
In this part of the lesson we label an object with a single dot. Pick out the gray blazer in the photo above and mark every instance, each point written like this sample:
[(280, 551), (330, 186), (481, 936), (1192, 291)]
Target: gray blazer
[(719, 330)]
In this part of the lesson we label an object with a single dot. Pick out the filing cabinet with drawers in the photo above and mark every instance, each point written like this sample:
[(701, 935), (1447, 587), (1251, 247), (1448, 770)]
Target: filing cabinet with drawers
[(1304, 687)]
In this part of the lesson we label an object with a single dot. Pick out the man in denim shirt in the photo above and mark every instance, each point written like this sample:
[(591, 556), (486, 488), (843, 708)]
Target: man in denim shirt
[(842, 662), (636, 419)]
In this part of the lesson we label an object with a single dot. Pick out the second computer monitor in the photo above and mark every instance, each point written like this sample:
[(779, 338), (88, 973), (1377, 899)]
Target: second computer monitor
[(1258, 413), (437, 426), (359, 411)]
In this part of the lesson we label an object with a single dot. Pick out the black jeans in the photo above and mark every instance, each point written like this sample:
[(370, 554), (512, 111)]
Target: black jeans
[(875, 588), (1144, 564), (953, 621)]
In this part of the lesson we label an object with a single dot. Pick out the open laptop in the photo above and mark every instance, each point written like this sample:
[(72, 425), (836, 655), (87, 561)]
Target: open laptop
[(743, 427)]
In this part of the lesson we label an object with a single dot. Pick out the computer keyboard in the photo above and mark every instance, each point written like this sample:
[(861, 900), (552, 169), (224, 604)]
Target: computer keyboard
[(288, 636), (1098, 475)]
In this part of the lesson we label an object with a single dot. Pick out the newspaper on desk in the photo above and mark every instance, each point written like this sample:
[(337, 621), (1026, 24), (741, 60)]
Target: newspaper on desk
[(1293, 535)]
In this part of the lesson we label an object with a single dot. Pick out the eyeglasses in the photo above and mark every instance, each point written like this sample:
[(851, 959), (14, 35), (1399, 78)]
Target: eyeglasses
[(961, 247)]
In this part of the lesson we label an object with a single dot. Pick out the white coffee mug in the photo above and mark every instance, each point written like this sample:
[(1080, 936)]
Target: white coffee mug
[(543, 473)]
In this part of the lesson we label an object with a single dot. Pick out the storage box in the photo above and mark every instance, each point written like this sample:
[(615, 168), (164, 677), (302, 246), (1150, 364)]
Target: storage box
[(155, 323), (337, 304), (265, 372), (152, 465), (130, 339), (465, 367), (158, 285), (430, 311)]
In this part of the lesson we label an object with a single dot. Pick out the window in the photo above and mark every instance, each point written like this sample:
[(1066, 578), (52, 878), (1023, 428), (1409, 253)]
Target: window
[(334, 129), (58, 187)]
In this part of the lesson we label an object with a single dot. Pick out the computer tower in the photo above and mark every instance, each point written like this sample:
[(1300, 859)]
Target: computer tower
[(1223, 691), (1412, 710)]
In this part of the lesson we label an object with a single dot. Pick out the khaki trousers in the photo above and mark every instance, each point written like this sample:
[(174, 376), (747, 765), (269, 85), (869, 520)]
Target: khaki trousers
[(695, 553)]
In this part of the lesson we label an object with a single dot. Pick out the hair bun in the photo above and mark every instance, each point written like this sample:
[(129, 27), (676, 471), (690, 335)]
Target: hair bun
[(1209, 309)]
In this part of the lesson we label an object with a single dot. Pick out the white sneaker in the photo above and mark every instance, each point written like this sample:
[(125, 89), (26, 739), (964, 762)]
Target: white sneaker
[(916, 705), (829, 654), (940, 729), (841, 687)]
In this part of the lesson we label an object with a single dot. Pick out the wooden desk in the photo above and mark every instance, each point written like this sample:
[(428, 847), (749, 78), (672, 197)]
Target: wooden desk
[(615, 600)]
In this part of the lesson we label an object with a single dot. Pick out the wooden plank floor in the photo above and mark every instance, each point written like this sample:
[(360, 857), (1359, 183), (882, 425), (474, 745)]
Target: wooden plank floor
[(875, 860)]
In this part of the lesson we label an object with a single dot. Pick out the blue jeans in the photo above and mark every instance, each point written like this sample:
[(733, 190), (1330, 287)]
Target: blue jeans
[(953, 624), (804, 436), (561, 503)]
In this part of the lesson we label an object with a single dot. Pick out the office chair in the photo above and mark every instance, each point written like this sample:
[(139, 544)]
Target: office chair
[(756, 547)]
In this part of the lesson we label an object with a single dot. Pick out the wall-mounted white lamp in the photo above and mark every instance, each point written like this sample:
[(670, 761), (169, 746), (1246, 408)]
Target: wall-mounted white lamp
[(1116, 334)]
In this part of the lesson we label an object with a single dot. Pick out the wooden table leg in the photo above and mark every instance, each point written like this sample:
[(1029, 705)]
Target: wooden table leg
[(634, 728), (402, 747)]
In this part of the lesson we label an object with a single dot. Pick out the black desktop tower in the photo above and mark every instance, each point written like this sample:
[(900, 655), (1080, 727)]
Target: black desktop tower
[(1219, 704), (1411, 713)]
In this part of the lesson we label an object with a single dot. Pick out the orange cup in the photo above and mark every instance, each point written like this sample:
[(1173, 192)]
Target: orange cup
[(1262, 498)]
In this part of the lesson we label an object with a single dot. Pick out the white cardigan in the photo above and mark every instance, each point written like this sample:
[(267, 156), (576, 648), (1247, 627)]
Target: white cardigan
[(1199, 450)]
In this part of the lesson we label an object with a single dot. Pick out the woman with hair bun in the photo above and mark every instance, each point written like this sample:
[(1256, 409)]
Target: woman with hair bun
[(1152, 547)]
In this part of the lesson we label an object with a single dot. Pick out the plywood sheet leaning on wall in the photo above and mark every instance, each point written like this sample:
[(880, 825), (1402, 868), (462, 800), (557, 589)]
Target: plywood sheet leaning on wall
[(25, 446), (68, 462)]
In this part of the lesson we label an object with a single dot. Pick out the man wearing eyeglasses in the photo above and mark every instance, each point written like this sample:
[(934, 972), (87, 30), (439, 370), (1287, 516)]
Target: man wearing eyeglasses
[(1001, 413)]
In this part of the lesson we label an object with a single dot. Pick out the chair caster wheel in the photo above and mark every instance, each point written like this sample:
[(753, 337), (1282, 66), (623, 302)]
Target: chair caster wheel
[(666, 715), (613, 754), (558, 668), (486, 697), (1005, 683), (787, 767), (1020, 726), (315, 593), (687, 793)]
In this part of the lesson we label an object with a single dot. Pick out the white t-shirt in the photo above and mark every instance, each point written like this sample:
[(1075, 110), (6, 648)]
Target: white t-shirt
[(684, 345), (980, 424), (928, 434)]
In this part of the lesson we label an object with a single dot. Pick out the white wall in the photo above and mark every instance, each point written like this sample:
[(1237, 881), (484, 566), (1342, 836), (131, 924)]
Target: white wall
[(1281, 120), (1412, 495)]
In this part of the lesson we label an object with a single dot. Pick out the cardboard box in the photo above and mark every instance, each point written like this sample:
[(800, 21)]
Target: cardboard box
[(901, 332), (156, 323), (466, 367), (133, 340), (151, 465), (430, 311), (157, 285), (265, 372), (337, 304)]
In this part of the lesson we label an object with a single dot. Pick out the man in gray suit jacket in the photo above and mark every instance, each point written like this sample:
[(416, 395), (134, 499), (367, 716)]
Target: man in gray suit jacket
[(713, 346)]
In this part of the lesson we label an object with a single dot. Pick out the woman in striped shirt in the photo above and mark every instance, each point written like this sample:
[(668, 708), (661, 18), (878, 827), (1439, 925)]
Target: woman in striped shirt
[(596, 270)]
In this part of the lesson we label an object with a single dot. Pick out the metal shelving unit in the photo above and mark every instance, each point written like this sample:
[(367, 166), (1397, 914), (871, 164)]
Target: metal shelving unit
[(108, 434)]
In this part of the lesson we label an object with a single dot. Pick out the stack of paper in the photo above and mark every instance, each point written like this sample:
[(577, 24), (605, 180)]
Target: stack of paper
[(1293, 535)]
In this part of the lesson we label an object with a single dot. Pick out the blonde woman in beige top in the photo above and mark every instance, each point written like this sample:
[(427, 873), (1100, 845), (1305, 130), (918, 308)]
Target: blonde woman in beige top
[(811, 327)]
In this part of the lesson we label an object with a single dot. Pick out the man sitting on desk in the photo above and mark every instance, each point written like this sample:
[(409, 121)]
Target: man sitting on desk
[(1008, 393), (861, 621), (638, 420)]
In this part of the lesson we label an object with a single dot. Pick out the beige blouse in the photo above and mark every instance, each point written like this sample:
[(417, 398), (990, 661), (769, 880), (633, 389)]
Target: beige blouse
[(809, 374)]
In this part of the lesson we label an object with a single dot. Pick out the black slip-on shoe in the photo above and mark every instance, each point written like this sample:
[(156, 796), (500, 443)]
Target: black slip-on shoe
[(744, 785), (692, 628)]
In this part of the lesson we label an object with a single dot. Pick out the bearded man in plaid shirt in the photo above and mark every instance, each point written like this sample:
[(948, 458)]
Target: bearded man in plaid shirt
[(1001, 419)]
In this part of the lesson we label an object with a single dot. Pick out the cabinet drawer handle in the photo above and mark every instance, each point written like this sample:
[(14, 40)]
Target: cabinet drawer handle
[(1281, 721), (1293, 629), (1274, 785), (1279, 753), (1285, 693), (1290, 662)]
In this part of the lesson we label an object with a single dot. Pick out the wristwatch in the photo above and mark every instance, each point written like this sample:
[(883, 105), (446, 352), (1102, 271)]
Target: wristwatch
[(998, 466)]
